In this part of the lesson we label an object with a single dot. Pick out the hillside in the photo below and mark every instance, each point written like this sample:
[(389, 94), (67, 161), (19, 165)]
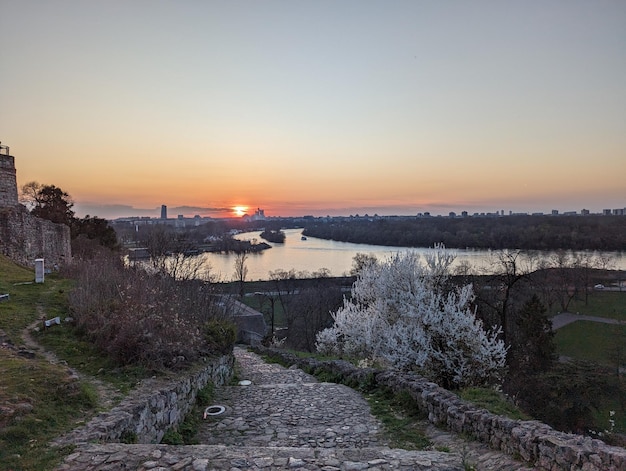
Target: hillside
[(39, 398)]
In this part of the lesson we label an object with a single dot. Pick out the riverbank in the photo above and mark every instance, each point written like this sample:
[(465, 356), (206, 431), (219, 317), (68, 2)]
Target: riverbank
[(336, 258)]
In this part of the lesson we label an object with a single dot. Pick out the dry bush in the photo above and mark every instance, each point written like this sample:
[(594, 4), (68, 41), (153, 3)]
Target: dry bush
[(137, 318)]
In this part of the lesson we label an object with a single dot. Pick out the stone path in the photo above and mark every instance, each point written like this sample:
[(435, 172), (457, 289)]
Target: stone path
[(565, 318), (285, 419), (286, 407)]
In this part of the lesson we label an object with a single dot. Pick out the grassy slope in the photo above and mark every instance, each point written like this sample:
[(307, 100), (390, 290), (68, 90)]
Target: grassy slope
[(598, 343), (38, 400), (611, 304), (594, 341)]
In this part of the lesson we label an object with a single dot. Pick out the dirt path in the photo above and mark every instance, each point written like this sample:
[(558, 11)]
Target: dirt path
[(108, 396)]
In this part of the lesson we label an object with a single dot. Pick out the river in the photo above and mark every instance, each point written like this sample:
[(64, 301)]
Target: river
[(313, 254)]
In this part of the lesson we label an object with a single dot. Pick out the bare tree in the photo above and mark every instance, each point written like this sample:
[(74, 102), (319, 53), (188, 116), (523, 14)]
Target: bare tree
[(585, 265), (285, 283), (173, 255), (311, 312), (29, 194), (241, 270), (511, 269), (268, 299)]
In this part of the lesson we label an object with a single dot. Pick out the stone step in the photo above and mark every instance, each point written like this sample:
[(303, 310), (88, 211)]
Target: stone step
[(277, 375), (116, 456), (292, 415)]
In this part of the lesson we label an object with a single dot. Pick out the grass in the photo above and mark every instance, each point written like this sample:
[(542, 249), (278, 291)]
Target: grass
[(83, 356), (598, 343), (25, 296), (591, 341), (400, 417), (603, 416), (262, 304), (185, 433), (611, 304), (603, 344), (493, 401), (40, 400)]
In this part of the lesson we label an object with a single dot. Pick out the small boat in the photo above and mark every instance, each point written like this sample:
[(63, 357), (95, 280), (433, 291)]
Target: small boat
[(303, 238)]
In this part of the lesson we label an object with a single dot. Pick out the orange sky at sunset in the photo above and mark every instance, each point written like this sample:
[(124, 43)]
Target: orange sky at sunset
[(317, 107)]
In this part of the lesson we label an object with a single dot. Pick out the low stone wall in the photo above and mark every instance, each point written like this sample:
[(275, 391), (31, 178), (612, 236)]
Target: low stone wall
[(532, 441), (153, 408)]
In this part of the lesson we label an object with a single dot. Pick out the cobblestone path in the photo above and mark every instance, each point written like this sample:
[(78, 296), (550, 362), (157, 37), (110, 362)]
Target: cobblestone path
[(286, 407), (286, 419)]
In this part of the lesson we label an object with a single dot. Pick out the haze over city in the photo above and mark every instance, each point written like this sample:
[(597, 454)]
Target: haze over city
[(317, 107)]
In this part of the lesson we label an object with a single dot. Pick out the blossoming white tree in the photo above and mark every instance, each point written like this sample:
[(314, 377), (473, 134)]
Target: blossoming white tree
[(402, 313)]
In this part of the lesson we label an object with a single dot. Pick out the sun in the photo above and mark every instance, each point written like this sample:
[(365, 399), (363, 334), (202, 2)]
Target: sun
[(240, 210)]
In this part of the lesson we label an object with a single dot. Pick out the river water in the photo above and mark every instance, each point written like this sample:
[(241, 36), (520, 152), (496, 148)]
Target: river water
[(313, 254)]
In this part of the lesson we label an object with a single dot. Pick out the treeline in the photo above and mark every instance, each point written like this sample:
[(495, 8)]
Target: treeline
[(277, 237), (512, 232), (229, 244)]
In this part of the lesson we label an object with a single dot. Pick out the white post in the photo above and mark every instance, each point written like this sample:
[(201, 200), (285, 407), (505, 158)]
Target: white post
[(39, 270)]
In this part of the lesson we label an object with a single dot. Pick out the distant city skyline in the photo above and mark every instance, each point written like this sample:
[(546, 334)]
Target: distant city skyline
[(121, 211), (318, 107)]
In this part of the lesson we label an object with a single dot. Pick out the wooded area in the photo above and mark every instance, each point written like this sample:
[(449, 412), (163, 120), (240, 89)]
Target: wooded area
[(592, 232)]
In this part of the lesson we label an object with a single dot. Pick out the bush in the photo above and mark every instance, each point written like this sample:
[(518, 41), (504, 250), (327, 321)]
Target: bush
[(402, 312), (146, 320), (568, 396), (220, 335), (173, 437)]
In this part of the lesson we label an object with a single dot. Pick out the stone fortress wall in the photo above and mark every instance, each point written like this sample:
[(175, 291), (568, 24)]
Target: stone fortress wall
[(8, 181), (23, 237)]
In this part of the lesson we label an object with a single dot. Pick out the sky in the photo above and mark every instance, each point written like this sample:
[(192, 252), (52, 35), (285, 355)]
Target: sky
[(317, 107)]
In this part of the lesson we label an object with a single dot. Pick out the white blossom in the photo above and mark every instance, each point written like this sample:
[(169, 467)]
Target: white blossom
[(400, 313)]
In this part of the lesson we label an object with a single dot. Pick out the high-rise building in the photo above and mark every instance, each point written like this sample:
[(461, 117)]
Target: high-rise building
[(163, 211)]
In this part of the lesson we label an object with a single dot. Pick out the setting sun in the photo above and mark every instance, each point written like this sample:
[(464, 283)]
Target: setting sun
[(240, 210)]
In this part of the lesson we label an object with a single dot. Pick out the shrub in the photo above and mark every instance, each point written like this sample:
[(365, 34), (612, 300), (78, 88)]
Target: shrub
[(142, 319), (220, 335), (402, 312)]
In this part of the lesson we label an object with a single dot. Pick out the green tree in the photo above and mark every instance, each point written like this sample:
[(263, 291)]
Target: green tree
[(51, 203), (95, 228), (567, 396), (360, 261), (532, 347)]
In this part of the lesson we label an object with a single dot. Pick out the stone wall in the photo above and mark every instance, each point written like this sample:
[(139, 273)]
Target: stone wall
[(8, 182), (153, 408), (23, 238), (532, 441)]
